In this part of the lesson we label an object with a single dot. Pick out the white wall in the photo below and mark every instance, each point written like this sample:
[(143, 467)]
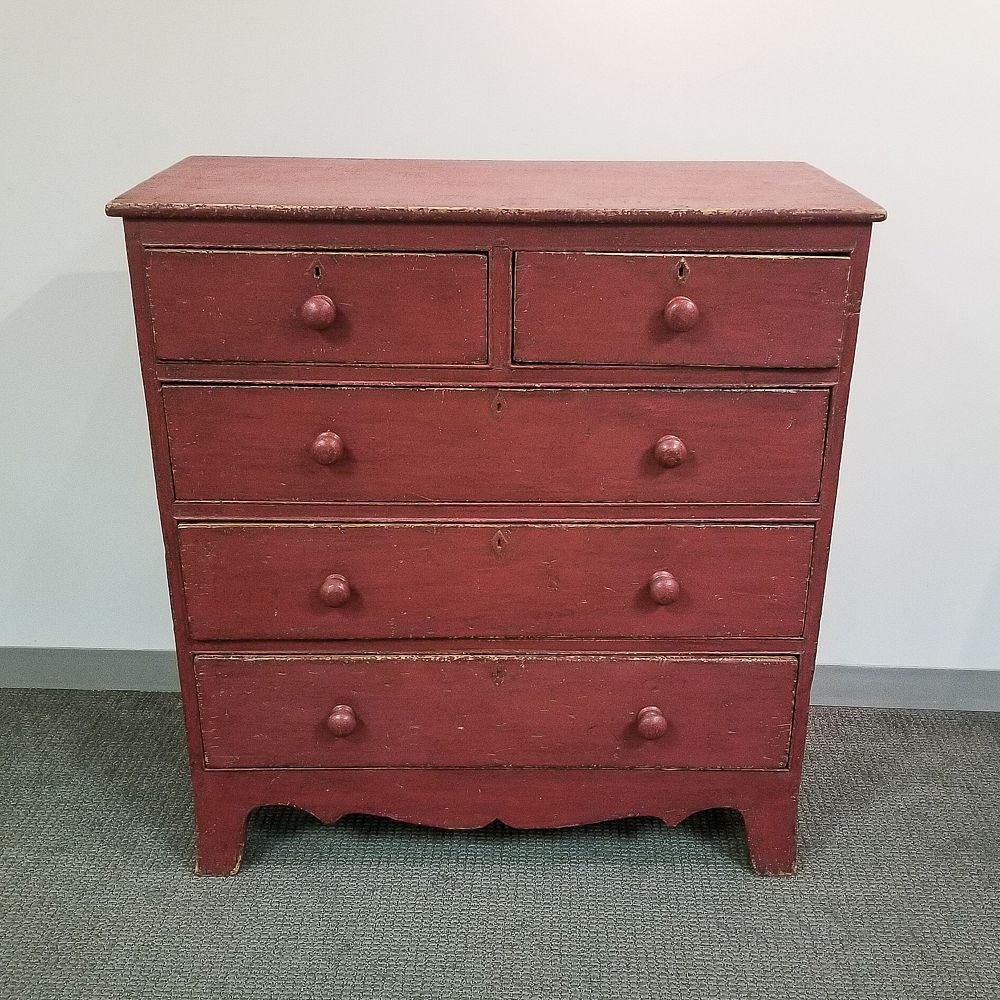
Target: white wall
[(899, 100)]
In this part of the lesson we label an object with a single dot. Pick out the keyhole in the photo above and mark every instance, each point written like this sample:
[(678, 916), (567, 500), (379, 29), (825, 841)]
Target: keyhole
[(317, 271), (683, 270), (499, 543)]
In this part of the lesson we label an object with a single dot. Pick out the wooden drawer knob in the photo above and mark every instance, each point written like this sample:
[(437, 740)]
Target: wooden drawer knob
[(318, 312), (327, 448), (663, 587), (342, 721), (670, 451), (681, 314), (651, 723), (335, 590)]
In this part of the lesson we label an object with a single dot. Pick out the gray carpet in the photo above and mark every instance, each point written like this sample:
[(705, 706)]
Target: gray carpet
[(898, 894)]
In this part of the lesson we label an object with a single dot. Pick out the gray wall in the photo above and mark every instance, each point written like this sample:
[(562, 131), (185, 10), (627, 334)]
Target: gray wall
[(898, 101)]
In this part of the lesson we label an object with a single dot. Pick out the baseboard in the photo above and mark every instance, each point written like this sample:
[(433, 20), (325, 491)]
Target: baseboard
[(907, 687), (88, 669), (834, 684)]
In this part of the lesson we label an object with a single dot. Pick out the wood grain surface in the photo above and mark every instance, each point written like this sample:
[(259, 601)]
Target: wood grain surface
[(391, 308), (261, 581), (608, 309), (495, 711), (494, 445), (259, 188)]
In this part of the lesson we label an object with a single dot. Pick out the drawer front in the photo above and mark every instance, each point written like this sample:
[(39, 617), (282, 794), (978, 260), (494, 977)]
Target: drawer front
[(470, 711), (388, 308), (635, 309), (489, 445), (278, 581)]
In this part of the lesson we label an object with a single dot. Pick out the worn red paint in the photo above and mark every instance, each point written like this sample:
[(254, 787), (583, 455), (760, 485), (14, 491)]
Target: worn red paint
[(712, 310), (492, 191), (262, 581), (541, 522), (389, 308), (456, 711), (390, 444)]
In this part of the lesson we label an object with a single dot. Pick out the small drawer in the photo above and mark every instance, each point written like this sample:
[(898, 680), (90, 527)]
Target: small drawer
[(331, 308), (710, 310), (395, 581), (495, 711), (496, 445)]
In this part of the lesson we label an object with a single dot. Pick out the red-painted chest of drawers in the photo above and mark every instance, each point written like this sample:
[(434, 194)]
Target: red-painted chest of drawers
[(496, 490)]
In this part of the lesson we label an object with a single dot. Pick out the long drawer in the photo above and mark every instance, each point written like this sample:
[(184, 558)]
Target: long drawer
[(337, 580), (483, 711), (483, 445), (712, 310), (334, 308)]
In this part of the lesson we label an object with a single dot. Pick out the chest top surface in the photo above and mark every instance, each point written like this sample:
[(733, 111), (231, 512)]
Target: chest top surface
[(271, 188)]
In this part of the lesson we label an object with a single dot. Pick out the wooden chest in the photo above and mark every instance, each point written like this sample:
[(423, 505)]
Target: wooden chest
[(496, 490)]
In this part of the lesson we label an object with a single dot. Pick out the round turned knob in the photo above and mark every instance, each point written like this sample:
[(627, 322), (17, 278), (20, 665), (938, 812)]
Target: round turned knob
[(681, 314), (318, 312), (670, 451), (663, 587), (651, 723), (327, 448), (342, 721), (335, 590)]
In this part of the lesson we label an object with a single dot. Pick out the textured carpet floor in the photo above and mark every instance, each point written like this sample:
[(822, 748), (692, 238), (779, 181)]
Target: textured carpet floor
[(898, 894)]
